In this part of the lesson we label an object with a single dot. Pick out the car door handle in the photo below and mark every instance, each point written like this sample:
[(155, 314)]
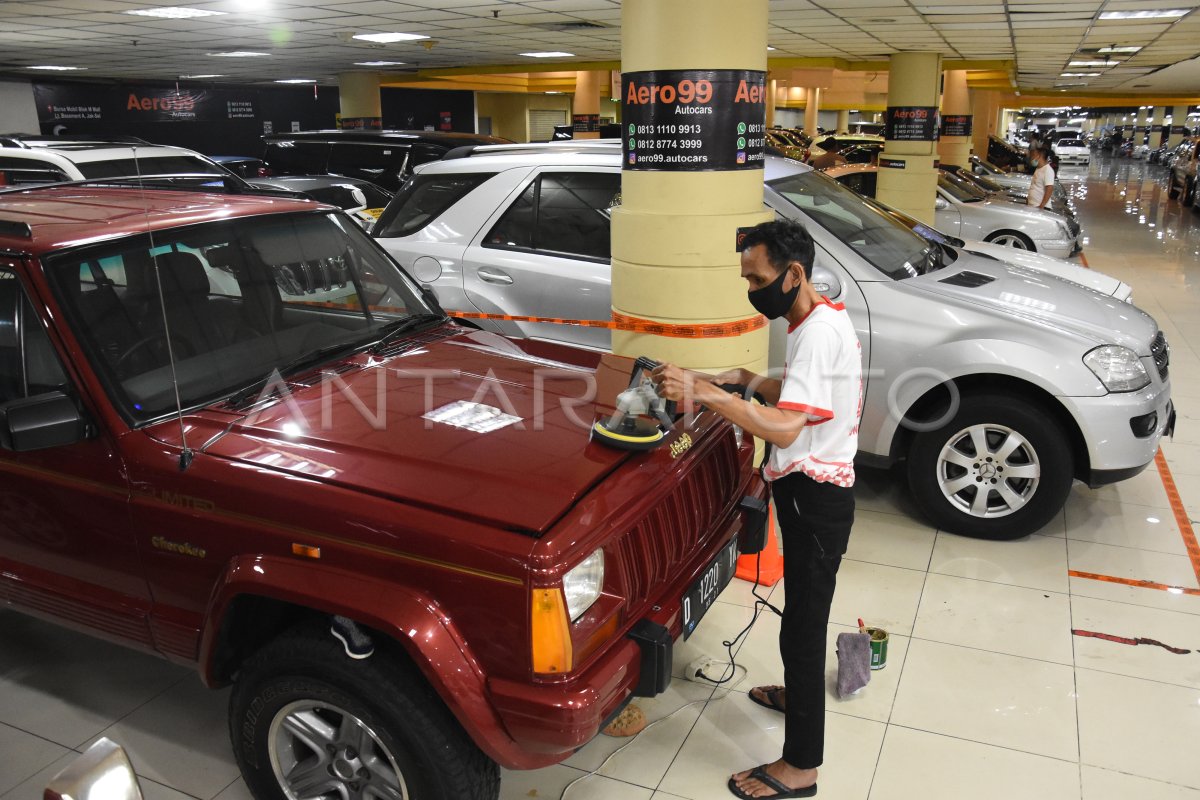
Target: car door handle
[(495, 276)]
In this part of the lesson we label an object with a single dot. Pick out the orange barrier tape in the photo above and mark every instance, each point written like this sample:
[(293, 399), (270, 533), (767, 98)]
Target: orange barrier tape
[(622, 322), (1092, 576), (1181, 516)]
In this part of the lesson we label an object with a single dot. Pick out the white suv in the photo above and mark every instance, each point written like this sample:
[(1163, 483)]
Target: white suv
[(997, 385), (33, 159)]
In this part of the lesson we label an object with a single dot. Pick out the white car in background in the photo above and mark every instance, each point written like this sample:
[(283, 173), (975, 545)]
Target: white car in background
[(1073, 151), (26, 160)]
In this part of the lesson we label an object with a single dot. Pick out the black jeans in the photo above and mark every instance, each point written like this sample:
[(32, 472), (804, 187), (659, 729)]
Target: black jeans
[(814, 524)]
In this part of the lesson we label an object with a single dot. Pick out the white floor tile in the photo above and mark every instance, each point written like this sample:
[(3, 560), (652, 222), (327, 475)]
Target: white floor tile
[(1134, 595), (884, 597), (235, 791), (1106, 522), (990, 698), (916, 765), (1125, 562), (1104, 784), (734, 734), (23, 755), (1139, 727), (721, 623), (1141, 661), (1144, 489), (993, 616), (549, 783), (181, 739), (1036, 562), (891, 539)]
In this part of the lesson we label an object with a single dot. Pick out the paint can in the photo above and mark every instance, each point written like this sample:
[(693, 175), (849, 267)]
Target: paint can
[(879, 647)]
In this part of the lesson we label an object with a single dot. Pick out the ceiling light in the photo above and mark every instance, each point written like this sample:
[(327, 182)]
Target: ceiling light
[(1162, 13), (239, 54), (550, 54), (297, 80), (1080, 75), (388, 38), (198, 77), (174, 12), (770, 48), (552, 92), (1093, 64), (55, 68), (1112, 48), (378, 63)]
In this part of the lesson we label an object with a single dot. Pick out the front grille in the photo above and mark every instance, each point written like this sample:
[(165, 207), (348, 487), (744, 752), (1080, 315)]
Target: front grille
[(1161, 352), (651, 553)]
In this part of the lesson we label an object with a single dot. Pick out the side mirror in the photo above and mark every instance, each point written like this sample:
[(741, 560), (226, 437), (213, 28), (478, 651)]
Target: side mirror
[(826, 283), (36, 423), (940, 204), (103, 772)]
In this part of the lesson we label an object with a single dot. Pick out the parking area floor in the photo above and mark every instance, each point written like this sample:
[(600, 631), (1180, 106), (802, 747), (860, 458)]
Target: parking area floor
[(991, 691)]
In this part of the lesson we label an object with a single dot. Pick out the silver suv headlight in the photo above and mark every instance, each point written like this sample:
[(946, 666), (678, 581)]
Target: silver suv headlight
[(1118, 368), (582, 585)]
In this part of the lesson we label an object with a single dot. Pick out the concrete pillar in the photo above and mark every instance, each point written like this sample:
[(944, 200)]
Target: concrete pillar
[(812, 105), (674, 234), (1139, 130), (984, 107), (1178, 121), (956, 102), (1157, 134), (585, 105), (772, 92), (910, 182), (358, 96), (843, 120)]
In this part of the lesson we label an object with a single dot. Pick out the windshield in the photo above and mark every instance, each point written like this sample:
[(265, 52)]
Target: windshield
[(240, 301), (886, 244), (982, 181), (960, 189), (1071, 143), (162, 165)]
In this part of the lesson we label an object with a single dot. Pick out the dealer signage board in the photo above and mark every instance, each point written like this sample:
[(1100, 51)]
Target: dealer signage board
[(693, 120), (956, 125), (73, 103), (911, 124)]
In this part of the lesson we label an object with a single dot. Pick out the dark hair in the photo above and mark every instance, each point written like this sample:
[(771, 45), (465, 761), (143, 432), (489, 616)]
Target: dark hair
[(786, 241)]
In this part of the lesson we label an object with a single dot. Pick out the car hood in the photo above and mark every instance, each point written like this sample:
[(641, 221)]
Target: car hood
[(1027, 259), (1043, 299), (1001, 204), (365, 428)]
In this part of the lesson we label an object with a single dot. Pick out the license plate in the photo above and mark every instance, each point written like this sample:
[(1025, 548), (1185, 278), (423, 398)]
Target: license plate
[(373, 213), (707, 588)]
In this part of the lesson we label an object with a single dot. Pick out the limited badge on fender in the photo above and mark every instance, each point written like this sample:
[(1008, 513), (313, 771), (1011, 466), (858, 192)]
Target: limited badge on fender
[(681, 445)]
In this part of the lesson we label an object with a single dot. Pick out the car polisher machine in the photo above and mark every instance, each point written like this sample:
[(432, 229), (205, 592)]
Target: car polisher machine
[(642, 418)]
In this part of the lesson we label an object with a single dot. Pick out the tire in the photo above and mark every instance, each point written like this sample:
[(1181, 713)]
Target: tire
[(303, 685), (1014, 239), (1012, 507)]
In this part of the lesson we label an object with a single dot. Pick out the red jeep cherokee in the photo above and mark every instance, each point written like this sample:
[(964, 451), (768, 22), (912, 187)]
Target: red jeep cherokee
[(226, 420)]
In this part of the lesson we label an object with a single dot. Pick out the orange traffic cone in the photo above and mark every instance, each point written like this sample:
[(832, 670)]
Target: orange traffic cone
[(767, 565)]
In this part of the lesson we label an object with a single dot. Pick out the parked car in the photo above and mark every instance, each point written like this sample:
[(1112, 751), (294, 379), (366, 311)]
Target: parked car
[(1060, 202), (1005, 155), (862, 153), (1182, 181), (1073, 151), (362, 200), (324, 441), (1005, 362), (845, 140), (786, 145), (964, 210), (385, 158), (244, 166), (1158, 155), (26, 160)]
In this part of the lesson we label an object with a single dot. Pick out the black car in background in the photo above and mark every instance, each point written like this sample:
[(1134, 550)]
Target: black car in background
[(385, 158)]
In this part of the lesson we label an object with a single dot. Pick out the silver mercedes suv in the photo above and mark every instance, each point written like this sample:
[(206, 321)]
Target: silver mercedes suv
[(995, 386)]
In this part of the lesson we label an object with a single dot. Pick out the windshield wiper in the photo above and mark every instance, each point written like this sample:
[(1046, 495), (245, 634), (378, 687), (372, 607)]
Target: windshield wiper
[(323, 353), (394, 330)]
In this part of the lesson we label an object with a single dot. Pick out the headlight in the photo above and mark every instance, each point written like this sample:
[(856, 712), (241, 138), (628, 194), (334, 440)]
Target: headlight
[(582, 585), (1118, 368)]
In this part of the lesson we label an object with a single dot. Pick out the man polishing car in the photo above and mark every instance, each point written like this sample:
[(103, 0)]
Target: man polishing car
[(811, 424)]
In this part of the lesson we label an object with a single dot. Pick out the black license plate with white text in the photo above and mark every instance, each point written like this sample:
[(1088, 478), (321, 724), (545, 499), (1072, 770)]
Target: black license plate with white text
[(707, 588)]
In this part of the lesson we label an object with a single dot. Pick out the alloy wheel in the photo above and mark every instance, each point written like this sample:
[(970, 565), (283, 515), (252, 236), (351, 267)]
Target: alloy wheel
[(988, 471), (1010, 240)]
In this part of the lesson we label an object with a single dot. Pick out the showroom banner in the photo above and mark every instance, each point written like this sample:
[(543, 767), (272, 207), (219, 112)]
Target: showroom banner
[(71, 103), (692, 120), (956, 125), (911, 124)]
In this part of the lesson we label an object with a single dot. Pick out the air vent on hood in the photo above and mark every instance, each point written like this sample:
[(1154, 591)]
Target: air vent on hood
[(978, 254), (970, 280), (417, 340)]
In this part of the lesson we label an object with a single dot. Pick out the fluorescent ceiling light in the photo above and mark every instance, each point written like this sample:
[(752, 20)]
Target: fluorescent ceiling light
[(174, 12), (770, 48), (54, 68), (198, 77), (239, 54), (1119, 49), (1080, 75), (388, 38), (378, 63), (297, 80), (1161, 13), (550, 54), (1093, 64)]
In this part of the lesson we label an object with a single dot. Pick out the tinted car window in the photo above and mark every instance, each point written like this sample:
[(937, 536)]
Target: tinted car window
[(515, 228), (423, 199), (28, 363), (21, 171), (566, 213), (861, 182), (368, 157), (297, 158), (167, 165), (960, 189)]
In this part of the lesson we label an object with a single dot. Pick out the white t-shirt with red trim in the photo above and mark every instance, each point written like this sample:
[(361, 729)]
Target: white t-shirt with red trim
[(823, 379)]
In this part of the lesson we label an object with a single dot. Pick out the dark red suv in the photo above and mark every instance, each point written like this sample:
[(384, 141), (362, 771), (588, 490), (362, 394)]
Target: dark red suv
[(228, 421)]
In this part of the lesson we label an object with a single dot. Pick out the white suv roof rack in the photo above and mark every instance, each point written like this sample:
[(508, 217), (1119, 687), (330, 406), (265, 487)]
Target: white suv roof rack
[(561, 146)]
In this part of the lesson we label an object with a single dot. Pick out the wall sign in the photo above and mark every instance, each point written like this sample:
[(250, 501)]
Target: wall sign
[(67, 103), (585, 123), (892, 163), (911, 124), (956, 125), (693, 120)]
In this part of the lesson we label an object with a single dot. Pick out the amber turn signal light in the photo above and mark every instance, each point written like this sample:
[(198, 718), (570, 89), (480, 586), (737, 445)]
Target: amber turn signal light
[(550, 633), (305, 550)]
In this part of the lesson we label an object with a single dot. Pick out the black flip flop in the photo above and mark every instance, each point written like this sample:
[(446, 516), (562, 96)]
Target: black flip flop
[(782, 792), (770, 701)]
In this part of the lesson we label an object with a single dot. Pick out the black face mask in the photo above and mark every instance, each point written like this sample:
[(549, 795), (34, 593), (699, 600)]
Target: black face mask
[(771, 300)]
